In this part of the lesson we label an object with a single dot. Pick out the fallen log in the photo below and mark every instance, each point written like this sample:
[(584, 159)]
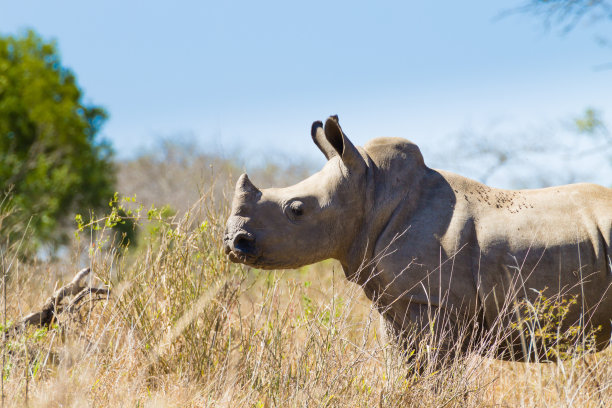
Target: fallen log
[(77, 287)]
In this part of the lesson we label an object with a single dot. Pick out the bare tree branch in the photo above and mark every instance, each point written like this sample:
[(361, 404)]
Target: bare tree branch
[(568, 13)]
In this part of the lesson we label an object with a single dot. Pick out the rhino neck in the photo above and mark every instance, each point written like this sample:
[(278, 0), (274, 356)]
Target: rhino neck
[(356, 255), (390, 183)]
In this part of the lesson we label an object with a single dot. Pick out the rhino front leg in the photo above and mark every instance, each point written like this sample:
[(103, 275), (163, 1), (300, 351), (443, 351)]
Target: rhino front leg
[(428, 334)]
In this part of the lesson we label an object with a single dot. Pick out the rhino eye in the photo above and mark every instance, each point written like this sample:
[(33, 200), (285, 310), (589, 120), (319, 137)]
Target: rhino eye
[(296, 209)]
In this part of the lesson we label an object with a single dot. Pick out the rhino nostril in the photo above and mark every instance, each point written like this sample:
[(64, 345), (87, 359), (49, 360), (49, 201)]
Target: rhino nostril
[(244, 243)]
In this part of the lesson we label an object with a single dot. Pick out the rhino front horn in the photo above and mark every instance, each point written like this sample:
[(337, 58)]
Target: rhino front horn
[(245, 186)]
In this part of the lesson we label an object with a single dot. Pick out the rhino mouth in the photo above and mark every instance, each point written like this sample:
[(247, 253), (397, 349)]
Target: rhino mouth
[(256, 261), (244, 258)]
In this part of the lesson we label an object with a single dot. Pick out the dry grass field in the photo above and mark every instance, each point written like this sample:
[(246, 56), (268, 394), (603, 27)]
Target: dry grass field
[(184, 327)]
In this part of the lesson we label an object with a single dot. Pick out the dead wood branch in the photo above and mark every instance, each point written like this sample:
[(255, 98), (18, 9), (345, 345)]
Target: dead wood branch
[(77, 287)]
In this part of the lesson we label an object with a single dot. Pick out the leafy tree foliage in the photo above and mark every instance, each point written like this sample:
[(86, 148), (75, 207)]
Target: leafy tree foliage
[(51, 159)]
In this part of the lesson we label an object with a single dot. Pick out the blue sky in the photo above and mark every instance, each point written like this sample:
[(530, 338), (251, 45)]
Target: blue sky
[(254, 75)]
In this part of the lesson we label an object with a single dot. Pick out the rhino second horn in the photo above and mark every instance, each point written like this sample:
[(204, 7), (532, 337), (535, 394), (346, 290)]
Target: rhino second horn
[(244, 185)]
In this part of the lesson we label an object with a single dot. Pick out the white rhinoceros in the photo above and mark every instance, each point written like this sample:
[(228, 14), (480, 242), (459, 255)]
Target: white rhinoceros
[(419, 239)]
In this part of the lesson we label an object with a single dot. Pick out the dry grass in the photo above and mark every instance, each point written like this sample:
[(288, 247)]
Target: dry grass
[(184, 327)]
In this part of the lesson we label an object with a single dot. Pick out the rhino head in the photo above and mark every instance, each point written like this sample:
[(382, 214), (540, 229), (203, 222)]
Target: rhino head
[(308, 222)]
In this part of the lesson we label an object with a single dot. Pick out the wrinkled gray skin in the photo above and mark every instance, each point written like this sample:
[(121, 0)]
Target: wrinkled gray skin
[(418, 239)]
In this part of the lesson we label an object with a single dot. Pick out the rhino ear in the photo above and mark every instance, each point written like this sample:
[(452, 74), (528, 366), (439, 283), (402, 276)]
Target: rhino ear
[(318, 136), (341, 144)]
